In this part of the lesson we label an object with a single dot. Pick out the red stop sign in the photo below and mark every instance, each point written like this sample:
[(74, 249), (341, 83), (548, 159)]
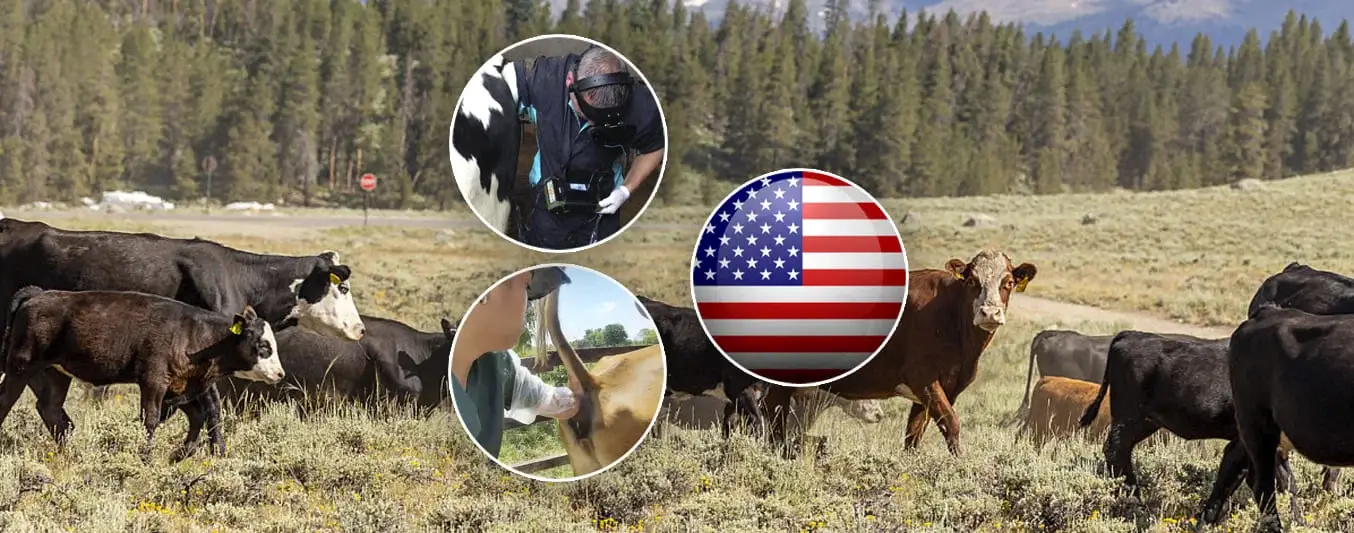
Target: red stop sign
[(368, 182)]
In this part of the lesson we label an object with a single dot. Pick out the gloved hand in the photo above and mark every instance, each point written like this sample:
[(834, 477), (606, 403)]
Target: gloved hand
[(558, 403), (613, 203)]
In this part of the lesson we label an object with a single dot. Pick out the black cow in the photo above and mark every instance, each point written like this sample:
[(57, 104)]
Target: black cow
[(172, 350), (1291, 372), (1069, 354), (697, 368), (311, 292), (392, 361), (1302, 287), (1174, 382)]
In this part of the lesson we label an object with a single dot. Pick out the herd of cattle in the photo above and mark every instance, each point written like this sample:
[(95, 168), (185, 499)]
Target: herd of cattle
[(184, 319), (1280, 382), (188, 319)]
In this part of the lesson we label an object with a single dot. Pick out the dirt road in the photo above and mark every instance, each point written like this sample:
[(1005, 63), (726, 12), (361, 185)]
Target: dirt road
[(1035, 307)]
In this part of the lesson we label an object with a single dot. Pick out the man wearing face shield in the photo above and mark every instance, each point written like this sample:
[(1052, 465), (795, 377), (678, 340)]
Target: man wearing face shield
[(489, 381), (587, 109)]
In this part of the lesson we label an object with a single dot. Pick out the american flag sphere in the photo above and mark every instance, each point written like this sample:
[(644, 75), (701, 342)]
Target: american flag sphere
[(799, 277)]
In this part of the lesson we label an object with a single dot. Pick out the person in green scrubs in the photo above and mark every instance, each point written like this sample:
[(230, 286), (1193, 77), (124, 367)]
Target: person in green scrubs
[(490, 382)]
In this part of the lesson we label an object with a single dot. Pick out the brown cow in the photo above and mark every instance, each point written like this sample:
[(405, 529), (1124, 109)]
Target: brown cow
[(1056, 406), (618, 399), (950, 317)]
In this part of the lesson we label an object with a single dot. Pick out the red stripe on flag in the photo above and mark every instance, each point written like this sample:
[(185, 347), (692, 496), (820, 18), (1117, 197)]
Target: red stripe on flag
[(790, 311), (890, 277), (816, 179), (840, 211), (843, 245), (824, 344), (806, 375)]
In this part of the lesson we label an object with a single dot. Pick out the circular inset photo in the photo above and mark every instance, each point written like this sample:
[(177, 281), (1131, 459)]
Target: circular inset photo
[(556, 373), (799, 277), (558, 143)]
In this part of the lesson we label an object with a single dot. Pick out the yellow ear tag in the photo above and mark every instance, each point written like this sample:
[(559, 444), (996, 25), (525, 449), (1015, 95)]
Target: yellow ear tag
[(1020, 285), (237, 328), (333, 278)]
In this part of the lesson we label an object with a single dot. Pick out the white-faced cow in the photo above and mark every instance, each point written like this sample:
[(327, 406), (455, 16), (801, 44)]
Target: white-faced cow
[(311, 292), (173, 351), (486, 136), (697, 368), (950, 317), (392, 361)]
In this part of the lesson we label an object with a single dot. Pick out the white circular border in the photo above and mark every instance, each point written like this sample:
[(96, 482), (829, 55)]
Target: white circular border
[(662, 167), (695, 248), (661, 392)]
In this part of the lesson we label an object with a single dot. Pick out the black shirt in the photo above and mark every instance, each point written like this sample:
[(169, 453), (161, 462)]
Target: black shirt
[(545, 101)]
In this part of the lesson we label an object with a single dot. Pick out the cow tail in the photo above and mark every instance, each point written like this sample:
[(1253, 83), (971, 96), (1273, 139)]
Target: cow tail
[(1029, 377), (1094, 409), (580, 425), (19, 298), (572, 362)]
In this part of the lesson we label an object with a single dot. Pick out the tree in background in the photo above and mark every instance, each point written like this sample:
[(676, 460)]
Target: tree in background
[(295, 100)]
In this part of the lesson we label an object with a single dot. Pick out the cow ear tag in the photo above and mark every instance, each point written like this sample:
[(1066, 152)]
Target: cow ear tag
[(237, 328), (333, 278), (1020, 285)]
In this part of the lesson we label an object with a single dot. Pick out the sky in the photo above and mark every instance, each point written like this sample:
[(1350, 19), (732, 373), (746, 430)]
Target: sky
[(591, 301)]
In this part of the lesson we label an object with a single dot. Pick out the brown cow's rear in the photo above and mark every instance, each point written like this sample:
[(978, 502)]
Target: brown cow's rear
[(950, 317), (617, 400), (1056, 406)]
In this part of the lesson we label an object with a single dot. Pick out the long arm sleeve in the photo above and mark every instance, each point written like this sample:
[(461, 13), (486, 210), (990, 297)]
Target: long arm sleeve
[(527, 396)]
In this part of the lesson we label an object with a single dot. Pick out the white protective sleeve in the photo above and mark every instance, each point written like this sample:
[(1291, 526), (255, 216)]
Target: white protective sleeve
[(532, 397)]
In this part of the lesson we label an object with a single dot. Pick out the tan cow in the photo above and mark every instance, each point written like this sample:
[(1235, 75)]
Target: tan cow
[(617, 400), (1056, 406)]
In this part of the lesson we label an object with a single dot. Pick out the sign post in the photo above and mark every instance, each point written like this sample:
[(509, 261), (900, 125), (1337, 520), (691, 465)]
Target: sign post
[(209, 166), (368, 184)]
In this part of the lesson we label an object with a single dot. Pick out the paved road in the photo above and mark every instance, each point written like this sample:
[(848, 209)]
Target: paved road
[(231, 221)]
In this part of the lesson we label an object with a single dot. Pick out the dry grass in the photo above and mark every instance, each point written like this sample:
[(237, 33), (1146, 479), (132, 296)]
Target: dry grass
[(1196, 256), (1193, 255)]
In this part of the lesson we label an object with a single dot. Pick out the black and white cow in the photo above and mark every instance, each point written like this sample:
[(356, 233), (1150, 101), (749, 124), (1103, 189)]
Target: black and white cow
[(392, 361), (172, 350), (312, 292), (486, 137)]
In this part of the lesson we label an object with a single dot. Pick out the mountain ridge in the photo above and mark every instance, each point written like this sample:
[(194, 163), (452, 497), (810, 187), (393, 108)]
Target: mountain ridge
[(1160, 22)]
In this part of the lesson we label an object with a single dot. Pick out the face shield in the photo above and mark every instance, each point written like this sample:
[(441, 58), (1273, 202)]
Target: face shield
[(607, 124)]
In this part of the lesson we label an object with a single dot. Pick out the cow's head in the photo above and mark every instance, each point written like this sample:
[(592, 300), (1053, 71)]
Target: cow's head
[(324, 301), (255, 357), (990, 279)]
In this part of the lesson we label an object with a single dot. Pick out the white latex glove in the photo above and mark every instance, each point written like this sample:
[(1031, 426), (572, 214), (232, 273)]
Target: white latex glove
[(613, 203), (558, 403)]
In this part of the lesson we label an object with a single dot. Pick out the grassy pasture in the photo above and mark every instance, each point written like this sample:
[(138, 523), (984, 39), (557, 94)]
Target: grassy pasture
[(1196, 256)]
